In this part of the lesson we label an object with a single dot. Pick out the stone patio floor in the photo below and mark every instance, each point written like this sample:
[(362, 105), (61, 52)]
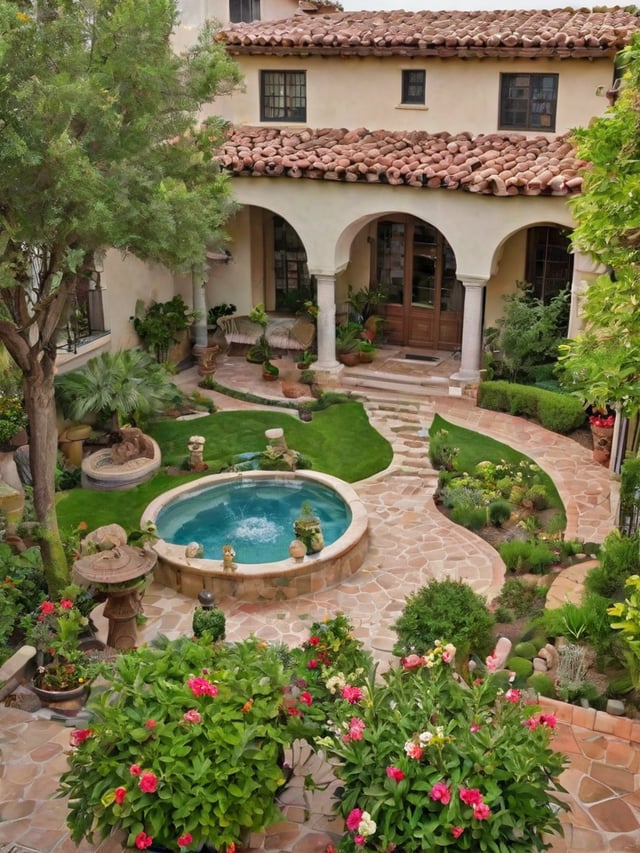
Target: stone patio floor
[(410, 543)]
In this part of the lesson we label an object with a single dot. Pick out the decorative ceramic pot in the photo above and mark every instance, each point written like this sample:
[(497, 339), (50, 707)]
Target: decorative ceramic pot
[(68, 695), (349, 359)]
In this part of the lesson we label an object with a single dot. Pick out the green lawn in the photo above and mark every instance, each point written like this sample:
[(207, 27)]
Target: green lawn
[(339, 441), (475, 447)]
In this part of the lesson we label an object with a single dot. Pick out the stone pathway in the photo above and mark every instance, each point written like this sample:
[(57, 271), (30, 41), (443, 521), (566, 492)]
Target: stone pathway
[(410, 542)]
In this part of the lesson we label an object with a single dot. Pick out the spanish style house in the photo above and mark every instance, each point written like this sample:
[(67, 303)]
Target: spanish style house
[(427, 155)]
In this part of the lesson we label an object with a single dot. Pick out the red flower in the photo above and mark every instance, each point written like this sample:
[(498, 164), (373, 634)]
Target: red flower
[(353, 819), (512, 695), (412, 661), (441, 793), (151, 724), (185, 840), (313, 664), (470, 796), (143, 840), (456, 831), (548, 720), (135, 770), (192, 716), (66, 603), (351, 694), (306, 697), (482, 811), (119, 794), (79, 736), (202, 687), (314, 641), (602, 420), (148, 783), (47, 608), (395, 773), (248, 705)]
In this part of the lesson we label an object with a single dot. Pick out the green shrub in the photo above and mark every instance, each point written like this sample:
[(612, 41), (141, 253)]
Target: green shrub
[(471, 517), (498, 512), (525, 650), (542, 684), (445, 610), (442, 451), (504, 614), (211, 622), (526, 556), (522, 667), (537, 496), (524, 599), (619, 559), (558, 412)]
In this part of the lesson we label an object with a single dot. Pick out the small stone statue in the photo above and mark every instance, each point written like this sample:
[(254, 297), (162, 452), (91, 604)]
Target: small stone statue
[(228, 556), (196, 453), (193, 549)]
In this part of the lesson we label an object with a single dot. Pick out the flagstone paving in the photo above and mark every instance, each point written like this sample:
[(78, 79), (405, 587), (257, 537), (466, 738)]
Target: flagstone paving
[(410, 542)]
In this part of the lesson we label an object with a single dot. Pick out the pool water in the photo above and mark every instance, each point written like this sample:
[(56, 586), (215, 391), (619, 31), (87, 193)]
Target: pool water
[(255, 517)]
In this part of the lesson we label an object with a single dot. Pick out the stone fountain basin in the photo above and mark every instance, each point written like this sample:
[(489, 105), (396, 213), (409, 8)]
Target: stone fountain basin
[(101, 473)]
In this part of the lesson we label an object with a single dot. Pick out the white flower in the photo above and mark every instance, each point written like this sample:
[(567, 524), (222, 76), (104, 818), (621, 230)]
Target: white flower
[(425, 737), (366, 825)]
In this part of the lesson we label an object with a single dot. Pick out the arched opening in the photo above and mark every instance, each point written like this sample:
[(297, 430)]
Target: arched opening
[(415, 267)]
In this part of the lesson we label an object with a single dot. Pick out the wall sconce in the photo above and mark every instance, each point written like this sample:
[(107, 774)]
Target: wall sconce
[(223, 257)]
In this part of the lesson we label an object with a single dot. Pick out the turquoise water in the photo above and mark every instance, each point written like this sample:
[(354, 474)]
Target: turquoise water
[(255, 516)]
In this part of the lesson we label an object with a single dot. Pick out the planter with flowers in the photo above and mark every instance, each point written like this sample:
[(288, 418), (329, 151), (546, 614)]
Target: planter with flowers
[(64, 669), (602, 425), (184, 749), (428, 762)]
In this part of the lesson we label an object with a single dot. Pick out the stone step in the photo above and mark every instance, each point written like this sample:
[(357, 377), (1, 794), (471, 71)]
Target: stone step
[(434, 386)]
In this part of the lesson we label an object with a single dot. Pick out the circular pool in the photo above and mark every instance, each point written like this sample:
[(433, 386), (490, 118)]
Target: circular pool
[(254, 512)]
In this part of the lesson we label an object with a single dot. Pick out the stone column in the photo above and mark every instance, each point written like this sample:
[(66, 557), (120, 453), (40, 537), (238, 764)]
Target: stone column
[(470, 357), (200, 308), (585, 271), (326, 324)]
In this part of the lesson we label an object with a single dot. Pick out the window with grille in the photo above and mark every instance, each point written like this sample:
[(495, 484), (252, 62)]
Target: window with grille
[(244, 10), (283, 96), (413, 87), (528, 102)]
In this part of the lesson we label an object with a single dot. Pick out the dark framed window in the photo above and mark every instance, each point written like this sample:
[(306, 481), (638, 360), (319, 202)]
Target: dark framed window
[(244, 10), (549, 266), (291, 274), (283, 96), (528, 102), (414, 86)]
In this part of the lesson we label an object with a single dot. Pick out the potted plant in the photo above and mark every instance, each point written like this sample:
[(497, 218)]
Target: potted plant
[(211, 621), (187, 718), (307, 529), (367, 352), (602, 424), (304, 360), (305, 411), (348, 338), (269, 371), (162, 324)]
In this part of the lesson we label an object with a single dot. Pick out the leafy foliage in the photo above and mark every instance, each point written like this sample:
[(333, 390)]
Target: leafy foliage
[(558, 412)]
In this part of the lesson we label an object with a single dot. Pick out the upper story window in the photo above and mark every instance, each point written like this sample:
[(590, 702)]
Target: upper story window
[(549, 262), (413, 86), (244, 10), (283, 96), (528, 101)]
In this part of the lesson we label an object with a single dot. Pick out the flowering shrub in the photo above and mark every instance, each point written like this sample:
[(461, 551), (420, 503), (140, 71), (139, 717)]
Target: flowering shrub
[(437, 763), (184, 748)]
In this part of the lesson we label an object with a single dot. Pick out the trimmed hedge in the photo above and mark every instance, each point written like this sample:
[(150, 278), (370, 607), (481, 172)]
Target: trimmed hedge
[(557, 412)]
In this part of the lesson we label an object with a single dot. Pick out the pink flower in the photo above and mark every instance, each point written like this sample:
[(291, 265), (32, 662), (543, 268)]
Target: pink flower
[(192, 716), (492, 662), (150, 724), (548, 720), (470, 796), (395, 773), (512, 695), (531, 723), (353, 819), (440, 793), (143, 840), (313, 664), (306, 698), (359, 839), (119, 794), (413, 750), (456, 831), (356, 727), (185, 840), (412, 661), (351, 694), (148, 783), (474, 727), (47, 608), (135, 770), (313, 641), (481, 811), (66, 603), (202, 687), (79, 736)]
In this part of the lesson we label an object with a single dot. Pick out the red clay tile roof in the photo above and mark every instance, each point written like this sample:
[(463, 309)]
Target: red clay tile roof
[(500, 164), (562, 33)]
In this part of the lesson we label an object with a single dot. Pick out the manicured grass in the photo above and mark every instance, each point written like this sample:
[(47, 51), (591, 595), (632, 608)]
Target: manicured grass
[(339, 441), (475, 447)]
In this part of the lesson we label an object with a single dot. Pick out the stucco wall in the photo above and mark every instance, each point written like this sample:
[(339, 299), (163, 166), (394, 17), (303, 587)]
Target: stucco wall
[(460, 96)]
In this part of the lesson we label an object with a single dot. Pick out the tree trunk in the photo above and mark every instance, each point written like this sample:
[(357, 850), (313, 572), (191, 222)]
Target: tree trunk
[(40, 405)]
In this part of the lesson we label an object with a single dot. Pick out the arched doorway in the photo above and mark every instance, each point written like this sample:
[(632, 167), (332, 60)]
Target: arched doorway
[(415, 267)]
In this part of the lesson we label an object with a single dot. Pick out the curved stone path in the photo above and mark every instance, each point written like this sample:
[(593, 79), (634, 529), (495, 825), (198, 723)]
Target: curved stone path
[(410, 543)]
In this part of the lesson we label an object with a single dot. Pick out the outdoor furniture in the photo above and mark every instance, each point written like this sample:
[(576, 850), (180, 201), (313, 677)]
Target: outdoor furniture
[(286, 333)]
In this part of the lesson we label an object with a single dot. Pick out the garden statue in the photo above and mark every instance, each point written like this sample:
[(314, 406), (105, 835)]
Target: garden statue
[(196, 453), (133, 444), (193, 549), (307, 528), (228, 555)]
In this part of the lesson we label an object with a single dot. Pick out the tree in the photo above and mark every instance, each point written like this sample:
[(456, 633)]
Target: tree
[(603, 363), (99, 147)]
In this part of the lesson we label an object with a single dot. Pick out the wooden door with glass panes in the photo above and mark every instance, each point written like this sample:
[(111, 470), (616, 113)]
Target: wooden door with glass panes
[(416, 269)]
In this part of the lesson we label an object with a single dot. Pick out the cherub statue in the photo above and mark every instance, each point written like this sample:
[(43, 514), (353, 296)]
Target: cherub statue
[(228, 555)]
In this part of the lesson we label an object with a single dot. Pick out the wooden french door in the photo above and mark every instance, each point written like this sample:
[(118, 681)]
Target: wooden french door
[(416, 268)]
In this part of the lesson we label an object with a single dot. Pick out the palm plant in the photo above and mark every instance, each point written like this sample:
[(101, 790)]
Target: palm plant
[(125, 386)]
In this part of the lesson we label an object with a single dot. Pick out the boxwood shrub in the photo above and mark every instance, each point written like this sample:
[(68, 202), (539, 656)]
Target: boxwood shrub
[(557, 412)]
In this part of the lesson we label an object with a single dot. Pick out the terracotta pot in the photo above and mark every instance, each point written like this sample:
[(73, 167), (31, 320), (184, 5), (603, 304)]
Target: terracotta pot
[(349, 359), (269, 377)]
